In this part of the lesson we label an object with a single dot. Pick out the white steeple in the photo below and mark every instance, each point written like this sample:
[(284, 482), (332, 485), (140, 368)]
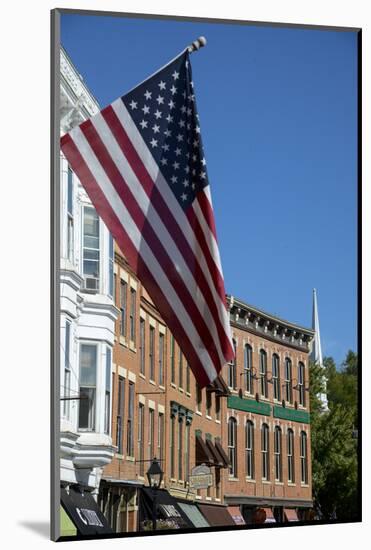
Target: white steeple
[(316, 354)]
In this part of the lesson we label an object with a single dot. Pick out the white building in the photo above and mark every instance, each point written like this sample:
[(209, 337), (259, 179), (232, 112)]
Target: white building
[(87, 311)]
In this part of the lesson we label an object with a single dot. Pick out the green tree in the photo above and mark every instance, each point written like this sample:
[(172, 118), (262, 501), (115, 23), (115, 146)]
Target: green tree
[(334, 448)]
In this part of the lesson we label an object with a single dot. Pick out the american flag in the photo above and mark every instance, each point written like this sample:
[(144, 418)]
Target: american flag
[(142, 163)]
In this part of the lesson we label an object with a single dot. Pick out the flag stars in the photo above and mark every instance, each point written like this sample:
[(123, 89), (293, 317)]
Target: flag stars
[(183, 109), (203, 175), (162, 85), (173, 90), (158, 114), (193, 186), (175, 75), (156, 128), (167, 133), (181, 123), (144, 124), (165, 147), (198, 129), (187, 169), (179, 137), (160, 99), (171, 104), (176, 165), (203, 161), (154, 142), (186, 183), (184, 196), (163, 161), (148, 95), (145, 109), (169, 118), (174, 179), (133, 104)]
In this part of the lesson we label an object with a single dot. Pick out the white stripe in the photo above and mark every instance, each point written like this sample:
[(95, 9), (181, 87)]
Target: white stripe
[(208, 234), (155, 221), (143, 249), (172, 203)]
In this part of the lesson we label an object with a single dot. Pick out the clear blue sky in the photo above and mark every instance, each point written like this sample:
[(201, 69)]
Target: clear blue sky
[(278, 112)]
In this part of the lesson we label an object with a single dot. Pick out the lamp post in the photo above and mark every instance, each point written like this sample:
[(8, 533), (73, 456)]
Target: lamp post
[(154, 475)]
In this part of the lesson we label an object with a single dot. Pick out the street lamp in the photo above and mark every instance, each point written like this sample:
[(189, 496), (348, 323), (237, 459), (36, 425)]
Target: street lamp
[(154, 475)]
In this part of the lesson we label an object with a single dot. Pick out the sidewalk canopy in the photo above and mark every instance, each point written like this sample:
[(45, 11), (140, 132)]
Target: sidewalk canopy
[(194, 514), (269, 516), (82, 509), (290, 514), (236, 515), (203, 452), (167, 509), (216, 515), (222, 453)]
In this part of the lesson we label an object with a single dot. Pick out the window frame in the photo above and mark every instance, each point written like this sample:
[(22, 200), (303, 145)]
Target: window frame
[(249, 449), (232, 367), (133, 315), (123, 307), (161, 358), (290, 456), (96, 290), (142, 346), (92, 421), (277, 453), (276, 377), (130, 420), (304, 457), (108, 391), (288, 380), (249, 381), (301, 383), (263, 373), (151, 352), (265, 452), (232, 446), (67, 369), (120, 415)]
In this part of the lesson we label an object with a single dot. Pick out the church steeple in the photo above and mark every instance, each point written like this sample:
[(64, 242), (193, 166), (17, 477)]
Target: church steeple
[(316, 354)]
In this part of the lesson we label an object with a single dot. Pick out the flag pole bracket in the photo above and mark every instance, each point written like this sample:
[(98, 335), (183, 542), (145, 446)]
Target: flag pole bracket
[(200, 42)]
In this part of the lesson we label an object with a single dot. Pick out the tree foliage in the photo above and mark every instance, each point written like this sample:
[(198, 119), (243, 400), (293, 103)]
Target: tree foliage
[(334, 446)]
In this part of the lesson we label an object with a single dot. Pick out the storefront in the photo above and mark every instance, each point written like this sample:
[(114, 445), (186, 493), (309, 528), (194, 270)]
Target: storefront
[(169, 513), (216, 515), (119, 502)]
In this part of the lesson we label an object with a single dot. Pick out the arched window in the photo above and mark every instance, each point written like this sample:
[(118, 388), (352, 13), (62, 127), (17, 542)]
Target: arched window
[(276, 377), (290, 456), (303, 458), (249, 381), (232, 446), (265, 451), (263, 373), (288, 380), (301, 384), (249, 449), (232, 368), (278, 453)]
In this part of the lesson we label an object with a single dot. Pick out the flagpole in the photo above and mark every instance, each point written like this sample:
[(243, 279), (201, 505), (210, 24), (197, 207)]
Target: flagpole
[(200, 42)]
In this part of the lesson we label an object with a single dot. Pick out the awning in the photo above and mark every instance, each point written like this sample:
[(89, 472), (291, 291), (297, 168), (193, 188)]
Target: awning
[(222, 453), (168, 510), (194, 514), (203, 453), (219, 387), (216, 515), (236, 515), (84, 512), (218, 461), (290, 514), (269, 518), (263, 515)]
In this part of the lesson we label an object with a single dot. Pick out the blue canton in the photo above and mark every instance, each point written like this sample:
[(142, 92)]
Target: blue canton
[(165, 113)]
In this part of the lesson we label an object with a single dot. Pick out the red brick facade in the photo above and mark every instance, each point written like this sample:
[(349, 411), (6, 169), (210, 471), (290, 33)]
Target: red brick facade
[(163, 391)]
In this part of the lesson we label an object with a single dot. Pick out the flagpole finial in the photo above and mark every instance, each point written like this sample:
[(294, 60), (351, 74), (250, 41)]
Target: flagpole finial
[(200, 42)]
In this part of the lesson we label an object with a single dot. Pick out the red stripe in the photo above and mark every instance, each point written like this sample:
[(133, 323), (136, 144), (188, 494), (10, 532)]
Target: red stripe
[(207, 211), (151, 238), (200, 235), (169, 221), (124, 242)]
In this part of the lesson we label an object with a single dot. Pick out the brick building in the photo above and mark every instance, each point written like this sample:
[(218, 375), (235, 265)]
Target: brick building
[(251, 427)]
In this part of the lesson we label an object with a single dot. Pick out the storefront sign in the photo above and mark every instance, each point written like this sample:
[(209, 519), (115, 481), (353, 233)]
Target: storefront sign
[(201, 477)]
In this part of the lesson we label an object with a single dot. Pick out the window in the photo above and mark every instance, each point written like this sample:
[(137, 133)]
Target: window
[(288, 380), (265, 451), (232, 446), (107, 396), (151, 434), (278, 453), (249, 381), (188, 378), (263, 373), (303, 458), (133, 296), (120, 415), (232, 366), (172, 448), (276, 377), (217, 407), (130, 422), (114, 288), (180, 368), (141, 439), (142, 344), (161, 359), (70, 231), (198, 397), (110, 268), (172, 358), (180, 448), (301, 384), (290, 456), (123, 306), (88, 384), (250, 449), (217, 483), (208, 403), (91, 249), (160, 437), (187, 450), (151, 353), (67, 370)]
